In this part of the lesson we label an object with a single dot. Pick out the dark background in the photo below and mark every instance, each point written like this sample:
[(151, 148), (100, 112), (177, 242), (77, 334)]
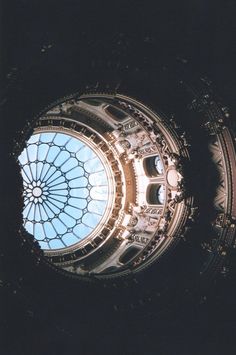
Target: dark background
[(44, 46)]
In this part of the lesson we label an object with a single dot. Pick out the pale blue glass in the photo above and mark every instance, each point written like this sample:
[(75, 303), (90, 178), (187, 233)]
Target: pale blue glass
[(65, 189)]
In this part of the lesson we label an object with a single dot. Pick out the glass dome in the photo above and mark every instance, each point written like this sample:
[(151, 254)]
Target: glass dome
[(65, 189)]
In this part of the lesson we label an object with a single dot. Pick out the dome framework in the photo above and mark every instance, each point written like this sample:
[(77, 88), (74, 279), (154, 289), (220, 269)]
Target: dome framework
[(147, 206), (173, 163)]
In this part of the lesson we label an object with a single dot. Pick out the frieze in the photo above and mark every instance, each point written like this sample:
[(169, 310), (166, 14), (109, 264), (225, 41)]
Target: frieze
[(138, 238), (147, 150)]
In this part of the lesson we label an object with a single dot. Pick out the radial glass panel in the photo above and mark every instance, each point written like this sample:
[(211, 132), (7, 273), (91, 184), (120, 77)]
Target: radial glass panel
[(65, 189)]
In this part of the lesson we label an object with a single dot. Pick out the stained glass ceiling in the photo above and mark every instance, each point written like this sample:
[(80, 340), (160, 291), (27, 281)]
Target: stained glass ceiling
[(65, 189)]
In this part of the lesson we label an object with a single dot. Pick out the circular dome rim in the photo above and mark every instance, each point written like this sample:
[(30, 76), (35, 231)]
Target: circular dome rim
[(110, 180)]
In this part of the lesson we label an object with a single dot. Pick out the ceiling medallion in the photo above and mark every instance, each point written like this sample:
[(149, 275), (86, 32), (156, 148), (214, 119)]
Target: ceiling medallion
[(103, 185)]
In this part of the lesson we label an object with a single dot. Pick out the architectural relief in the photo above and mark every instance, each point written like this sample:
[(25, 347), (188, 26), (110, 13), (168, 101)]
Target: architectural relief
[(131, 171)]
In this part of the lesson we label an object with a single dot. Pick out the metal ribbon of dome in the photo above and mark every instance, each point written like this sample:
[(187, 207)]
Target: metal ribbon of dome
[(65, 189)]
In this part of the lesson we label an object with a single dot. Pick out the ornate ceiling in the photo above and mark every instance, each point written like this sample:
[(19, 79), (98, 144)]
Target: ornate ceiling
[(107, 184)]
